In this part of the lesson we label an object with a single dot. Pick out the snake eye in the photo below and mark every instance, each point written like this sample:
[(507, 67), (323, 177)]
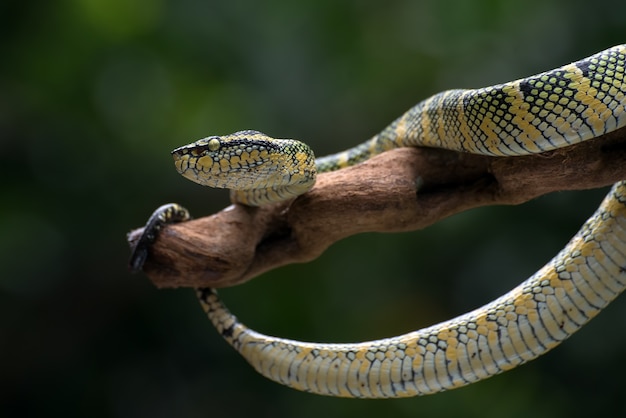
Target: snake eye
[(214, 144)]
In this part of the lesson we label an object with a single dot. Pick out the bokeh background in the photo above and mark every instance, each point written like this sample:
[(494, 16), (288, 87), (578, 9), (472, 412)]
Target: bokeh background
[(95, 93)]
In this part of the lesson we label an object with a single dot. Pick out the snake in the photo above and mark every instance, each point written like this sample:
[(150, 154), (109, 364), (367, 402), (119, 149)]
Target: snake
[(551, 110)]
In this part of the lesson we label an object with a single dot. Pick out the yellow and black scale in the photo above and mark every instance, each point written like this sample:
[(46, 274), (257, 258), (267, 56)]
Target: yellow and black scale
[(551, 110)]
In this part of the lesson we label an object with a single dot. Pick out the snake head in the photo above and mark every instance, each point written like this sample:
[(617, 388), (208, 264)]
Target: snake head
[(246, 160)]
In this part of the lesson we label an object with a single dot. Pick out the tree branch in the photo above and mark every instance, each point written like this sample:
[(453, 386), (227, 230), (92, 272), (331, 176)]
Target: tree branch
[(400, 190)]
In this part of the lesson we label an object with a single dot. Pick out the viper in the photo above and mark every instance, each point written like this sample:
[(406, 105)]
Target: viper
[(551, 110)]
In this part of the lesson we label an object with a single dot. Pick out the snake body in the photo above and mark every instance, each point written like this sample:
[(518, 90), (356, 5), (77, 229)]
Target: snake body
[(554, 109), (526, 322), (540, 113)]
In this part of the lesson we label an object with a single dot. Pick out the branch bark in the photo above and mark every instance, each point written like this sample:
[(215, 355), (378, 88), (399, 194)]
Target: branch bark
[(400, 190)]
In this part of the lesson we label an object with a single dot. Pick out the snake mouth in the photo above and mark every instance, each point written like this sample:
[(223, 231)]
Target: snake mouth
[(191, 149)]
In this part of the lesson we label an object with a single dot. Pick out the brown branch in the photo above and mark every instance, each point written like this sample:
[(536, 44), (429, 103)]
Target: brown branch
[(400, 190)]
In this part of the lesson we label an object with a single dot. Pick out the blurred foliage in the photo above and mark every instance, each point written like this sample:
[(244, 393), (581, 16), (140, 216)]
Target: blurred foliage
[(95, 93)]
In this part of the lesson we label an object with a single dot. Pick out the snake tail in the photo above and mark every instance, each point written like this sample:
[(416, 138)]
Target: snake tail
[(164, 215), (526, 322)]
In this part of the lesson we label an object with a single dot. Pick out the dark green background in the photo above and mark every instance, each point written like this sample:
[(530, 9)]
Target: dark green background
[(95, 93)]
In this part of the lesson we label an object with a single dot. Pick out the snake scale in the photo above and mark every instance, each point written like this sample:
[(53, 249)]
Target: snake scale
[(550, 110)]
